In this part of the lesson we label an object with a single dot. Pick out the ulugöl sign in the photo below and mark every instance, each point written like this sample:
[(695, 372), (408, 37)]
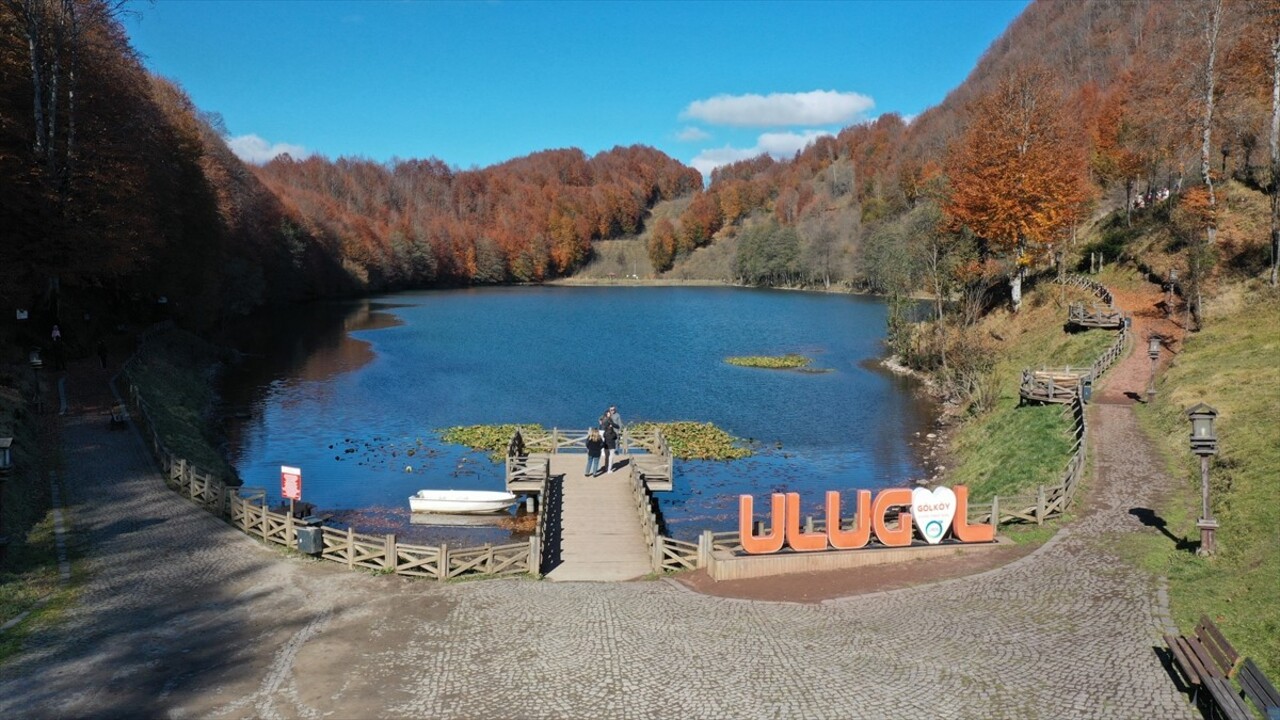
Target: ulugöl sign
[(933, 512)]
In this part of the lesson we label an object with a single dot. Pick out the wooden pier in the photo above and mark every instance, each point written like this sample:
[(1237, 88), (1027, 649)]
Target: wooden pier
[(599, 528)]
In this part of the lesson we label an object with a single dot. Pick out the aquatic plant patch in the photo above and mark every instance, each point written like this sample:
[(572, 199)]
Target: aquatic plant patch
[(697, 441), (490, 438), (775, 362)]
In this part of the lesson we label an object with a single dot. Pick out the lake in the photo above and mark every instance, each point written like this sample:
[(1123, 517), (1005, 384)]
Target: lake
[(355, 394)]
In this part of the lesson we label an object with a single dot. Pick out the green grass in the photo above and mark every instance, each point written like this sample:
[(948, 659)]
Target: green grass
[(1233, 365), (1012, 449), (175, 372)]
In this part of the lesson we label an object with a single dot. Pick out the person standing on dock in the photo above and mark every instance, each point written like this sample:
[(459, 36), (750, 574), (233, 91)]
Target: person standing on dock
[(616, 420), (610, 444), (594, 446)]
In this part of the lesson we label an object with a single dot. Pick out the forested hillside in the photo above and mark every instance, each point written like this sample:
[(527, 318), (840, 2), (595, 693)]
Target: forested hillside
[(111, 179), (113, 183), (1078, 108)]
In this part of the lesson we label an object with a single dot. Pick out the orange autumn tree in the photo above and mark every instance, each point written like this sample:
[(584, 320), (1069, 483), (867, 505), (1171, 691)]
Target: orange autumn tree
[(1017, 173)]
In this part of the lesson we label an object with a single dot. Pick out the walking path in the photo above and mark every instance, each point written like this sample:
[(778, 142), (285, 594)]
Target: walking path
[(600, 536), (181, 616)]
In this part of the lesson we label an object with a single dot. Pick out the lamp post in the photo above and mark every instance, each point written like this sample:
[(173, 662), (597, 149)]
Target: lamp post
[(1168, 298), (36, 364), (1204, 443), (1153, 352)]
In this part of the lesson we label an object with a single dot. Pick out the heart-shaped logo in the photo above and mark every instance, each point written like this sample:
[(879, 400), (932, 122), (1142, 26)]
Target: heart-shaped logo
[(933, 511)]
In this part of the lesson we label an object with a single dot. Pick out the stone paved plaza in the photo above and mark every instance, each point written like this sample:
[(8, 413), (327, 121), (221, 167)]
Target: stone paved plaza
[(182, 616)]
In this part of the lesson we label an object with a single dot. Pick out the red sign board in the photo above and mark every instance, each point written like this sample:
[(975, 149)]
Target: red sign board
[(290, 482)]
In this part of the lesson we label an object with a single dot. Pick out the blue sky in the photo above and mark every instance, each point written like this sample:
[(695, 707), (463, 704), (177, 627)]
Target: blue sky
[(476, 83)]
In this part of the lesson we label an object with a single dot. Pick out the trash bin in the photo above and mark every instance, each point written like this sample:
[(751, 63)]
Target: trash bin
[(310, 533), (1086, 390)]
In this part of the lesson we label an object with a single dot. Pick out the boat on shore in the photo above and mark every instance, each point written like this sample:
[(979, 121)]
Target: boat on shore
[(461, 502)]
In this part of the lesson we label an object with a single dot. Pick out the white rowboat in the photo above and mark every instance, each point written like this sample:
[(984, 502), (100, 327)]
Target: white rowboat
[(465, 502)]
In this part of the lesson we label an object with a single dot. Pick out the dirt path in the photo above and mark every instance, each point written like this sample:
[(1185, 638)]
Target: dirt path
[(182, 616)]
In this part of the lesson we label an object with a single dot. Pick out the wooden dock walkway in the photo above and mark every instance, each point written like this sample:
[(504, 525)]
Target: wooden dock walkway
[(600, 538), (600, 529)]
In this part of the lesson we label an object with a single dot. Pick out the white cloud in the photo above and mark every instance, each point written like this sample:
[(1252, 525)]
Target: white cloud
[(819, 107), (692, 134), (253, 149), (782, 146)]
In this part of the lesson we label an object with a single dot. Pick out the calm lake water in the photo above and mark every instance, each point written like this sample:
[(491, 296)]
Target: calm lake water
[(355, 394)]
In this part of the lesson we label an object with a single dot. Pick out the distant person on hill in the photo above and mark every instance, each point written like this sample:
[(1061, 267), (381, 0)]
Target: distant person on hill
[(594, 446), (610, 443)]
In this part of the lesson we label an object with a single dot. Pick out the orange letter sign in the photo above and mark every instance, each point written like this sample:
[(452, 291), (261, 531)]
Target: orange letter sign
[(963, 531), (857, 537), (765, 543), (800, 541), (901, 537)]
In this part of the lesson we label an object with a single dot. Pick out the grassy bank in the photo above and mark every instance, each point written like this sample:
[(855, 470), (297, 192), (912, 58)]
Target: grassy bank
[(1008, 448), (175, 372), (29, 580), (1233, 365)]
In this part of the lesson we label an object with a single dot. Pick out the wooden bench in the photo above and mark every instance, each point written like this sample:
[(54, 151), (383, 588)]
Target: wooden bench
[(1259, 690), (1207, 661)]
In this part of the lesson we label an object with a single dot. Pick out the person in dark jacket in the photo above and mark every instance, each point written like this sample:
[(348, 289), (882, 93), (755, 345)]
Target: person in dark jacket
[(594, 446), (610, 444)]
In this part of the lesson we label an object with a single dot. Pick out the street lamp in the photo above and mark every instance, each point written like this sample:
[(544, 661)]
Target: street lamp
[(1168, 298), (1204, 443), (36, 364), (1153, 352)]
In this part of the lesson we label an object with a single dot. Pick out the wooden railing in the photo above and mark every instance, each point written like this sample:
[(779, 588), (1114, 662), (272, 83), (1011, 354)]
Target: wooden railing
[(1054, 385), (381, 553), (1094, 316), (647, 450)]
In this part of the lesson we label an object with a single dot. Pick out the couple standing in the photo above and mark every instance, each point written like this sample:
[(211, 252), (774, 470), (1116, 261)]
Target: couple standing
[(603, 439)]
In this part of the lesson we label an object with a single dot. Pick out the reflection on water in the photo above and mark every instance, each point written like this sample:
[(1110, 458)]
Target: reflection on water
[(355, 394)]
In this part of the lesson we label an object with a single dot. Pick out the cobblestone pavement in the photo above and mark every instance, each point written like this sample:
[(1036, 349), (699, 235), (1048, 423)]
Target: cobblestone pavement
[(184, 617)]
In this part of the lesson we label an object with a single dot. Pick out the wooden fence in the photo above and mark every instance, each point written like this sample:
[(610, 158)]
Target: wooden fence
[(382, 553), (1094, 316)]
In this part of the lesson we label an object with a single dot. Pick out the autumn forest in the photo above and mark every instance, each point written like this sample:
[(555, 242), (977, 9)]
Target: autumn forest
[(111, 179)]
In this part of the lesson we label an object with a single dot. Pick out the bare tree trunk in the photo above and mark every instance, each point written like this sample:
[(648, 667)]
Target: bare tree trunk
[(1206, 170), (1275, 154), (68, 167), (30, 13)]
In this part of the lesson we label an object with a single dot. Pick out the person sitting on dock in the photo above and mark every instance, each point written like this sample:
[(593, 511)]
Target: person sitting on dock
[(516, 448), (594, 446)]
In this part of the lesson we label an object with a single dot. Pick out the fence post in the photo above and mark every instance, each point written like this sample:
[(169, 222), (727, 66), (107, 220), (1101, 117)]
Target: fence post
[(657, 554), (1040, 504), (351, 548), (535, 557), (705, 544), (995, 511), (389, 552), (290, 535), (442, 572), (264, 520)]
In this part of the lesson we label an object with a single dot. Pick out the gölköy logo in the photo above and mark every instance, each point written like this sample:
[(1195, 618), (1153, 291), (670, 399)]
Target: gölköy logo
[(933, 511)]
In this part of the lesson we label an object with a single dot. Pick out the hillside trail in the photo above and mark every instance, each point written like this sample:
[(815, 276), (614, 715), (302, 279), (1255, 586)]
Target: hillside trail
[(1126, 382)]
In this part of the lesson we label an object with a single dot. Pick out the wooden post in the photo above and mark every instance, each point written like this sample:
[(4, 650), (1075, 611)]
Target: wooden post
[(351, 548), (1040, 504), (555, 440), (535, 557), (657, 554), (264, 519), (290, 535), (442, 572), (808, 523), (389, 552), (995, 511), (706, 542)]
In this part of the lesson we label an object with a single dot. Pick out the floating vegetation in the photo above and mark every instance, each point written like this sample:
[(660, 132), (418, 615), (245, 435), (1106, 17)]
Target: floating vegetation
[(696, 441), (776, 362), (490, 438)]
